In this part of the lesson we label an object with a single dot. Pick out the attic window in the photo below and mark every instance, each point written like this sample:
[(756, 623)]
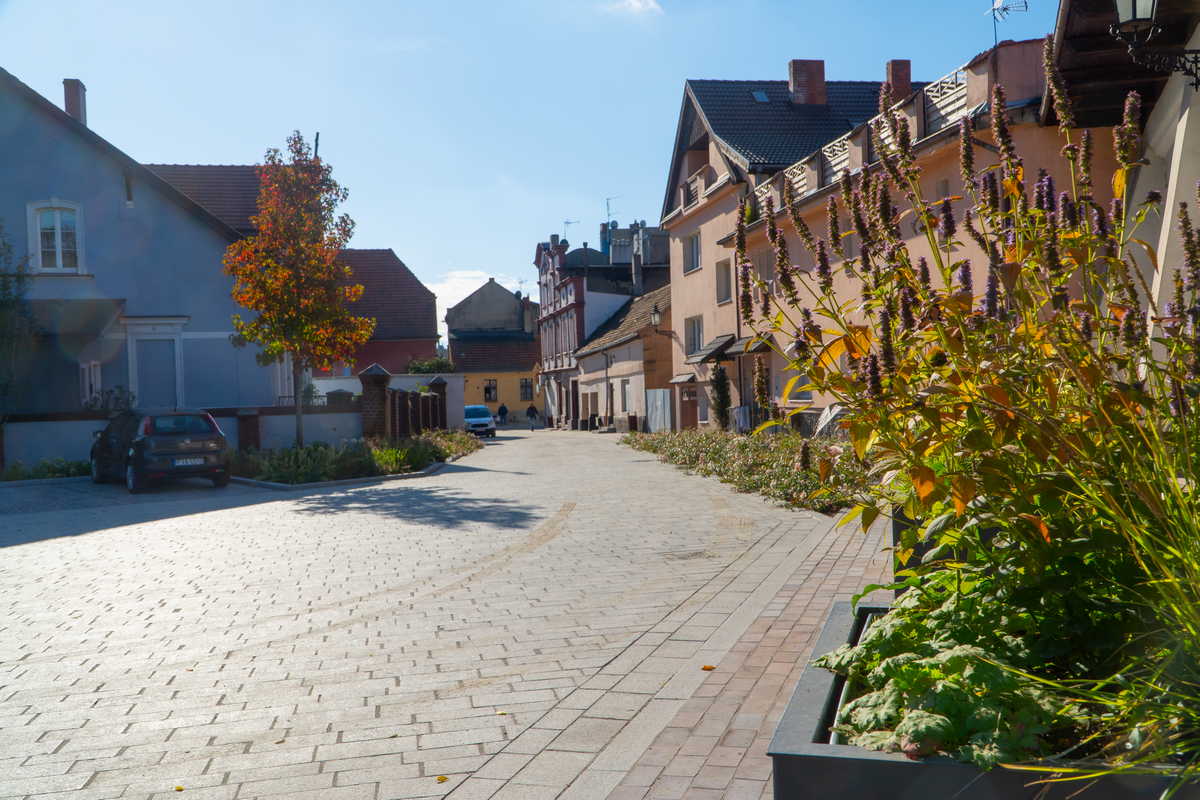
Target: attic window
[(760, 96)]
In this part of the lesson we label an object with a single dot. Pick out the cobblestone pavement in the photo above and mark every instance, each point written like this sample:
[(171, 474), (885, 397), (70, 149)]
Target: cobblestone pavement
[(528, 623)]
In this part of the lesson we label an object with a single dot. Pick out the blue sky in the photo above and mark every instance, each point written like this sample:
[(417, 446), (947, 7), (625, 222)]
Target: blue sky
[(465, 131)]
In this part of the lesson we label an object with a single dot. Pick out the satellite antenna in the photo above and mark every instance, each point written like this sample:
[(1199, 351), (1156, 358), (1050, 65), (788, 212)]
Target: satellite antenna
[(566, 223), (1000, 10)]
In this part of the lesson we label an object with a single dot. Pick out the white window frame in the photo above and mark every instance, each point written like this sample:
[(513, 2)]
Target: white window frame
[(724, 269), (91, 381), (624, 395), (697, 323), (701, 406), (32, 212), (691, 253)]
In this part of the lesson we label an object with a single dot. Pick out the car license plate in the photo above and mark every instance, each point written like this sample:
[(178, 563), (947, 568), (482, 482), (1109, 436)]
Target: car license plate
[(189, 462)]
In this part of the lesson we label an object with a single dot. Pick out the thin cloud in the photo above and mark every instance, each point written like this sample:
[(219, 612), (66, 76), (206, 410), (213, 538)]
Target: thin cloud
[(636, 7)]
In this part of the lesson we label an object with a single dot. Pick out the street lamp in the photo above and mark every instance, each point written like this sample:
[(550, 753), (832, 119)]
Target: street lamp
[(655, 316), (1136, 26)]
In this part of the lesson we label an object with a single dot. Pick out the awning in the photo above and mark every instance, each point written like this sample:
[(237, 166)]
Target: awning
[(748, 345), (711, 351), (686, 377), (75, 317)]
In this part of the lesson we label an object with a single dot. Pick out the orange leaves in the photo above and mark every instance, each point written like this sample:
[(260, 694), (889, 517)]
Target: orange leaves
[(1039, 525), (962, 491), (924, 480)]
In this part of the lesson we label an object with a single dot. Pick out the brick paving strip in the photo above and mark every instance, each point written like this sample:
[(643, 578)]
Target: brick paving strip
[(525, 637)]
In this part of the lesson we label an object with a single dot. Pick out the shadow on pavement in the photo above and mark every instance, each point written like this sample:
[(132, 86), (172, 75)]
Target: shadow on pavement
[(34, 513), (422, 505)]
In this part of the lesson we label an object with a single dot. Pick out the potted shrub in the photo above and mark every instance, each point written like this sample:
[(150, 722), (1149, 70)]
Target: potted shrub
[(1041, 431)]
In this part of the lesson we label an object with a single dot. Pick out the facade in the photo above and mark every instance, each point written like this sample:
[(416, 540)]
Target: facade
[(731, 137), (126, 288), (580, 290), (493, 343), (405, 311), (624, 362)]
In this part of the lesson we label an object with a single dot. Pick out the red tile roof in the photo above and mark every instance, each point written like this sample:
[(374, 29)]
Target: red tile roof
[(228, 191), (504, 352), (401, 305)]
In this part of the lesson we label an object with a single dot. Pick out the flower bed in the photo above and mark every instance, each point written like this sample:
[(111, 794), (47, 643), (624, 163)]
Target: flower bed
[(825, 478), (47, 468), (358, 458)]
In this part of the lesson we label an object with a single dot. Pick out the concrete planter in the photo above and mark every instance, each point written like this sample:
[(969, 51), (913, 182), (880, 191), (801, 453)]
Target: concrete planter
[(805, 764)]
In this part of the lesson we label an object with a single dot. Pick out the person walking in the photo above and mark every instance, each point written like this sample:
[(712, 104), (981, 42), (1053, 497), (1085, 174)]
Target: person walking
[(531, 414), (502, 412)]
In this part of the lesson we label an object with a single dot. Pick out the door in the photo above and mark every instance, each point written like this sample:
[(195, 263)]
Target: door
[(687, 409), (156, 365), (574, 401)]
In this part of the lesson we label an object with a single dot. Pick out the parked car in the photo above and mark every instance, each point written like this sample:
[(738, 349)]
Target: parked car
[(479, 421), (143, 447)]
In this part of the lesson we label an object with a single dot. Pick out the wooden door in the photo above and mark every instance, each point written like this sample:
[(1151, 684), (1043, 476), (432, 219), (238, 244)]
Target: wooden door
[(687, 409)]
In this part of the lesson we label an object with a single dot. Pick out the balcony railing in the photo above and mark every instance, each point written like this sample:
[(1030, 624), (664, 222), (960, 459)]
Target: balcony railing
[(945, 101)]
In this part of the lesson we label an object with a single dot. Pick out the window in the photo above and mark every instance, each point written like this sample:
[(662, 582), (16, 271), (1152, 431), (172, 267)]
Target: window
[(702, 406), (526, 390), (624, 395), (691, 253), (90, 385), (693, 334), (489, 390), (799, 394), (724, 282), (760, 96), (56, 226)]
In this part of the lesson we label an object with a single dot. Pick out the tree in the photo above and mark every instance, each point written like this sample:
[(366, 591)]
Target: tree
[(288, 271), (17, 326), (720, 390), (430, 366)]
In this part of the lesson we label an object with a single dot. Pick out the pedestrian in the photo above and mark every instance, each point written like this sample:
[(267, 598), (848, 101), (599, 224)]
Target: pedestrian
[(503, 414), (531, 414)]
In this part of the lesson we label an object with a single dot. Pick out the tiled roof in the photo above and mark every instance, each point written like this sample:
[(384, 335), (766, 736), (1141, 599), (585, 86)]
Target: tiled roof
[(228, 191), (505, 352), (627, 321), (401, 305), (779, 133)]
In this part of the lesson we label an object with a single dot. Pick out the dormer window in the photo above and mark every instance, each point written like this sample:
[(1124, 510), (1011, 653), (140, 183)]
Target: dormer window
[(56, 234)]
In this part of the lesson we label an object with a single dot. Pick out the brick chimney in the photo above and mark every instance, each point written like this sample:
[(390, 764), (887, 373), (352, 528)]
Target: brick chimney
[(899, 75), (806, 81), (75, 99)]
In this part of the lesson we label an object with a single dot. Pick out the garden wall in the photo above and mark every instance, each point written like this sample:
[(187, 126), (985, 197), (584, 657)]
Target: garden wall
[(31, 442), (279, 430)]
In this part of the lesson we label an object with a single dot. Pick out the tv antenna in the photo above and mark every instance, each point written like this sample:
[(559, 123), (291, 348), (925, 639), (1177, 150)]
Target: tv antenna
[(1000, 10), (608, 209), (566, 223)]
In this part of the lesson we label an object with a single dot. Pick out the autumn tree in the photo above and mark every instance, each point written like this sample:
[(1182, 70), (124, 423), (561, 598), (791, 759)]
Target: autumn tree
[(289, 272)]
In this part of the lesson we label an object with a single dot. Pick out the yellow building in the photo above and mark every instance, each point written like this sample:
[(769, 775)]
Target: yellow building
[(493, 343)]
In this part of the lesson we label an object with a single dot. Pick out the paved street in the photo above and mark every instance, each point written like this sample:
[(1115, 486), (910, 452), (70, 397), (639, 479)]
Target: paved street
[(530, 622)]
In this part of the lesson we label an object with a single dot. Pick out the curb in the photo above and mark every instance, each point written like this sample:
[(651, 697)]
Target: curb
[(286, 487), (42, 481)]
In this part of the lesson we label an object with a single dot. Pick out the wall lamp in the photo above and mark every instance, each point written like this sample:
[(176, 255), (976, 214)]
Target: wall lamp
[(1135, 27)]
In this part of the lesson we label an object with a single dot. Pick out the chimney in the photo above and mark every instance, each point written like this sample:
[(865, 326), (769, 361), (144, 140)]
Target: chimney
[(75, 99), (553, 239), (605, 238), (638, 281), (899, 75), (806, 81)]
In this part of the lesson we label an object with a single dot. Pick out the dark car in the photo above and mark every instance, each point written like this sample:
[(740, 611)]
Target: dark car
[(144, 447)]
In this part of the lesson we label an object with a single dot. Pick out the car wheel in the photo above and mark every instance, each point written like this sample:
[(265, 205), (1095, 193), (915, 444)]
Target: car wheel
[(97, 473), (133, 481), (221, 481)]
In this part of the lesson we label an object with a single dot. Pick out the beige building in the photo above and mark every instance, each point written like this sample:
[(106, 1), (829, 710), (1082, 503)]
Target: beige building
[(625, 366)]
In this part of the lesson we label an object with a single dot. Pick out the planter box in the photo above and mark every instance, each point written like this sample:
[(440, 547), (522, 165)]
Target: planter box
[(805, 764)]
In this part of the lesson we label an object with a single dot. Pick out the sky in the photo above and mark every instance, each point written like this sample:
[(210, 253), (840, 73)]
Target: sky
[(467, 131)]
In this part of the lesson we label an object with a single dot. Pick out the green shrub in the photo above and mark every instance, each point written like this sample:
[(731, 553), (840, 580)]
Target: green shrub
[(772, 465), (47, 468)]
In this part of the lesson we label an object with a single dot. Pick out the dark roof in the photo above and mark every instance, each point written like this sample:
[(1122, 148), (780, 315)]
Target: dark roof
[(711, 351), (229, 191), (778, 133), (494, 353), (401, 305), (626, 322), (744, 347), (83, 131), (585, 257)]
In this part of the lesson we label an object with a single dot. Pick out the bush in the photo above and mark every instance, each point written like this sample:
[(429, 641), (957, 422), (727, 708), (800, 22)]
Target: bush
[(785, 466), (47, 468), (355, 458)]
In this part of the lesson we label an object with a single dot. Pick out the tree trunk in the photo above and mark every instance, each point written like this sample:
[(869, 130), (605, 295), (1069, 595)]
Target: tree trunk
[(297, 400)]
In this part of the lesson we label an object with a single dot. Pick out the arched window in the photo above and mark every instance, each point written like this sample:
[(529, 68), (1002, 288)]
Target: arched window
[(56, 236)]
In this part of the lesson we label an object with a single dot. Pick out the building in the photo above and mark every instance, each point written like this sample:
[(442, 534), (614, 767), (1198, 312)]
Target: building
[(493, 343), (126, 282), (405, 311), (731, 137), (581, 289), (625, 366)]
